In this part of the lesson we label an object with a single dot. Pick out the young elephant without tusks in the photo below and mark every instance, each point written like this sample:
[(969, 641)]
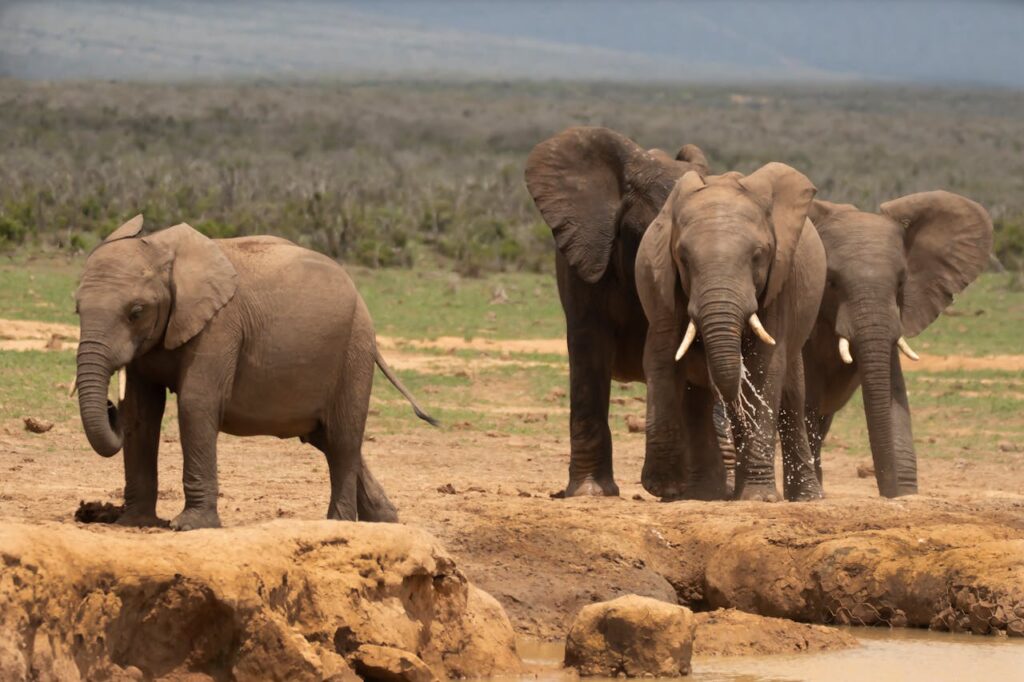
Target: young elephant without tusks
[(255, 335)]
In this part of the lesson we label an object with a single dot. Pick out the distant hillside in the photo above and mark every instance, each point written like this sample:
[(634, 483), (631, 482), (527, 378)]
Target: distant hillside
[(729, 40)]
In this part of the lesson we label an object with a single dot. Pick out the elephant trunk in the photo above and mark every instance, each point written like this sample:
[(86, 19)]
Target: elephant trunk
[(99, 415), (722, 323), (873, 351)]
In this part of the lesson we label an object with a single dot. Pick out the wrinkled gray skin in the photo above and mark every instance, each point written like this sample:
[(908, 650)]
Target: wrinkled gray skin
[(720, 250), (256, 335), (599, 190), (890, 274)]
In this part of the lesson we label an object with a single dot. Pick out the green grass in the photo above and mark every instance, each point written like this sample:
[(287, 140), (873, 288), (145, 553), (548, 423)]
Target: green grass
[(39, 289), (986, 319), (35, 384)]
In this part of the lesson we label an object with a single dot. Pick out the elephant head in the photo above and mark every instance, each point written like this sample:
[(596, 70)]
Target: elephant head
[(721, 250), (137, 294), (593, 185), (890, 274)]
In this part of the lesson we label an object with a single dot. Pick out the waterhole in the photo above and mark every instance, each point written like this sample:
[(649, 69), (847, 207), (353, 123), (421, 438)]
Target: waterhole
[(884, 656)]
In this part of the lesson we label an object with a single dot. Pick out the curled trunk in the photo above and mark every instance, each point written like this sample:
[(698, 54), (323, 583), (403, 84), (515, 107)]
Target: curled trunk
[(99, 415)]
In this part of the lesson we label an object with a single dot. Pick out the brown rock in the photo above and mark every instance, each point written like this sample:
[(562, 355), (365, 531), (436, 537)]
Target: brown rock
[(281, 600), (866, 470), (37, 425), (387, 664), (635, 424), (633, 636), (728, 632)]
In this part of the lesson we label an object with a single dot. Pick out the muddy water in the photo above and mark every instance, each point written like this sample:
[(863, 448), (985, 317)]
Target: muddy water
[(884, 656)]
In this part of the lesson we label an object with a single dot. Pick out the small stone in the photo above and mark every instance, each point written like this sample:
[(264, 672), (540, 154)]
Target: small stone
[(37, 425), (1007, 446), (865, 470), (447, 489), (1015, 628), (635, 424)]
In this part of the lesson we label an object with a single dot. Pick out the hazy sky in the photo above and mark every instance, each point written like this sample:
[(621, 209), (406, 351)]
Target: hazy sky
[(917, 41)]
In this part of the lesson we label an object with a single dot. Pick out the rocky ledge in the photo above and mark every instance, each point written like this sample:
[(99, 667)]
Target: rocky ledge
[(284, 600)]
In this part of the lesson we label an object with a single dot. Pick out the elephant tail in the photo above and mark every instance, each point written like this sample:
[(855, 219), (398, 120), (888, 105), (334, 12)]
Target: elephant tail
[(396, 382)]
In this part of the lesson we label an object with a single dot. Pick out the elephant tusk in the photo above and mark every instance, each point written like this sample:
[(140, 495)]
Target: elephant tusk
[(74, 387), (844, 350), (759, 329), (688, 337), (902, 344), (122, 384)]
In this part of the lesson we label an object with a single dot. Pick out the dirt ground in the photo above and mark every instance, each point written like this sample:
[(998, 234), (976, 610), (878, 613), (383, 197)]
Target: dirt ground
[(852, 558)]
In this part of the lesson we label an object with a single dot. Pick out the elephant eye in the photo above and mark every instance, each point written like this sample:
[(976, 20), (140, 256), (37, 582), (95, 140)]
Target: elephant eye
[(135, 312)]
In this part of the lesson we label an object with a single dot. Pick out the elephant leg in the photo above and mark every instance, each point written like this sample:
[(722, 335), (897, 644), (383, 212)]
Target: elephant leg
[(703, 462), (342, 443), (372, 503), (818, 426), (903, 435), (199, 423), (664, 473), (591, 355), (800, 479), (757, 418), (726, 444), (141, 413)]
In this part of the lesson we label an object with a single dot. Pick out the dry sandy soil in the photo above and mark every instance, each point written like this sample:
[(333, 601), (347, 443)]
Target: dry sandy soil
[(951, 557)]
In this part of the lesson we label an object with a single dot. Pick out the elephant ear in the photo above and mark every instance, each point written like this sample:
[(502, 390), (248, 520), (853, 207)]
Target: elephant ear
[(587, 183), (821, 211), (694, 155), (947, 240), (788, 194), (203, 280), (130, 229), (657, 268)]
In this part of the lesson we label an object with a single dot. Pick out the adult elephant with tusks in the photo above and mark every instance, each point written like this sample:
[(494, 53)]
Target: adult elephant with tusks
[(730, 275), (890, 275), (598, 191), (256, 335)]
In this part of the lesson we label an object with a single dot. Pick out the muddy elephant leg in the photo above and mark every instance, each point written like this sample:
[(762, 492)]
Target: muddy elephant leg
[(141, 413), (755, 471), (726, 444), (903, 435), (704, 466), (591, 354), (799, 478)]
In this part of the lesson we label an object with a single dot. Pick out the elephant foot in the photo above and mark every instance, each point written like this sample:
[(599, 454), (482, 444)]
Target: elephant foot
[(898, 491), (758, 492), (807, 490), (194, 519), (592, 486), (133, 519)]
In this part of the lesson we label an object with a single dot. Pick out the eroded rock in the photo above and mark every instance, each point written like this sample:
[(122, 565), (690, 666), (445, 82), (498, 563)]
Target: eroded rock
[(632, 635), (728, 632), (290, 600)]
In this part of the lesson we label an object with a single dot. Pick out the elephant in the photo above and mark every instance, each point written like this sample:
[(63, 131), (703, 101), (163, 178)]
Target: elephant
[(890, 274), (598, 190), (730, 275), (255, 335)]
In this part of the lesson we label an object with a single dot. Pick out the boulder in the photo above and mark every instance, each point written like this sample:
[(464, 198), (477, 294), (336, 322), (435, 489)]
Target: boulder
[(632, 635), (728, 632), (296, 600)]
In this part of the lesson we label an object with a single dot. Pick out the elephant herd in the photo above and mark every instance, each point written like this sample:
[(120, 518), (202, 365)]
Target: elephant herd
[(751, 309), (742, 292)]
